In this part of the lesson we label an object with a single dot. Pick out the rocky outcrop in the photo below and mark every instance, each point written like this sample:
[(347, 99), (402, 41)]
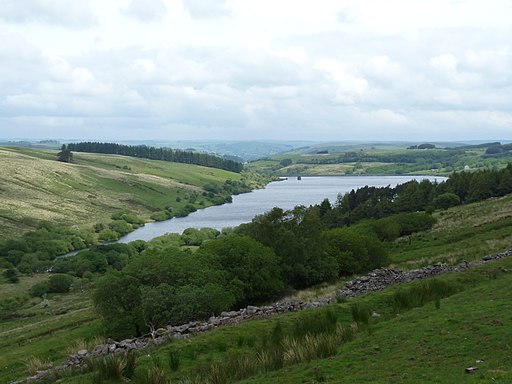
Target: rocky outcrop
[(374, 281)]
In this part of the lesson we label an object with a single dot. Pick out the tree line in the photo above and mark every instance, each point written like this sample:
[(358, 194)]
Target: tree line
[(154, 153), (147, 285)]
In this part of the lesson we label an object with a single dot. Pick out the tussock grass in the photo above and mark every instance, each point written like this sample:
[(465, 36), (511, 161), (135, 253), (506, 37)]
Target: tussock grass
[(154, 375), (35, 364), (422, 293), (113, 368)]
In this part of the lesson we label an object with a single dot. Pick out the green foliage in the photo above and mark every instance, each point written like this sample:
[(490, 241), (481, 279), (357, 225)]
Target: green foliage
[(446, 200), (323, 322), (422, 293), (249, 266), (59, 283), (11, 275), (108, 234), (113, 368), (361, 313), (354, 253), (165, 154), (65, 155), (117, 298), (39, 289), (161, 215), (193, 236), (33, 251), (174, 359), (11, 305)]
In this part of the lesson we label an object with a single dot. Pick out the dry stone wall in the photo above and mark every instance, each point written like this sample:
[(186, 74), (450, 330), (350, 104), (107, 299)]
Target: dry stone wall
[(374, 281)]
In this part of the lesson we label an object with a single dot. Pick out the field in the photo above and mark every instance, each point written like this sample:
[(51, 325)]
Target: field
[(423, 344), (389, 160), (34, 186)]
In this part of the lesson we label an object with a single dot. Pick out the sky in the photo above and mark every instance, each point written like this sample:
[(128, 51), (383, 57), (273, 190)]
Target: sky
[(323, 70)]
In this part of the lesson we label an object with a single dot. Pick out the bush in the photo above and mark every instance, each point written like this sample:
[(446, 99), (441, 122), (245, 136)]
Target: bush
[(11, 275), (414, 222), (161, 215), (59, 283), (39, 289), (446, 200)]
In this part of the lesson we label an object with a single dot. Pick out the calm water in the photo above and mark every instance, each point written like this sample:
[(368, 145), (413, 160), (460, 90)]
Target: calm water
[(285, 194)]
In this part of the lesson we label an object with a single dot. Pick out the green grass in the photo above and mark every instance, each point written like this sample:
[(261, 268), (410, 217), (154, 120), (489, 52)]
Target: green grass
[(428, 343), (461, 233), (304, 163), (37, 187), (425, 345), (43, 332)]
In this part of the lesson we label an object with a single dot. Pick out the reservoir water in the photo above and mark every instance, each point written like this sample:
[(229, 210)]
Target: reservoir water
[(284, 194)]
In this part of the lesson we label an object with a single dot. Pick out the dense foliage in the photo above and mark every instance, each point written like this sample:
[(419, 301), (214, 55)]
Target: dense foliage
[(149, 285), (153, 153)]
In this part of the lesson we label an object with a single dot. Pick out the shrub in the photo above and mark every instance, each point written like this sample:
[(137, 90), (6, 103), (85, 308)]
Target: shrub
[(11, 275), (446, 200), (59, 283), (161, 215), (39, 289)]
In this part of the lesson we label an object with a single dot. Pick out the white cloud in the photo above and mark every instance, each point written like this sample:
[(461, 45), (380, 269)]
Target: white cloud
[(331, 69), (145, 10), (206, 8), (70, 14)]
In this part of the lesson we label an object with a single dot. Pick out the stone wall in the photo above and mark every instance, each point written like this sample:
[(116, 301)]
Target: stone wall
[(374, 281)]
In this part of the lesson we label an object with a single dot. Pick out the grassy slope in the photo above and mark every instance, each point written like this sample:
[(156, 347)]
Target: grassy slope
[(421, 345), (474, 159), (34, 186), (465, 232), (425, 345)]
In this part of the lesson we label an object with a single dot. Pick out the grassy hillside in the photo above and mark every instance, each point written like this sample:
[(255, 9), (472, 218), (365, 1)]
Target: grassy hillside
[(34, 186), (379, 159), (423, 344)]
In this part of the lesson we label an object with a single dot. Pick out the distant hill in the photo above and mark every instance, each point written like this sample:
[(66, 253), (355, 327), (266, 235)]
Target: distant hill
[(35, 186)]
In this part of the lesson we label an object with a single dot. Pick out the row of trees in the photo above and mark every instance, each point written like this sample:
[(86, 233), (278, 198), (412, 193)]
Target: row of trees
[(460, 188), (163, 284), (153, 153)]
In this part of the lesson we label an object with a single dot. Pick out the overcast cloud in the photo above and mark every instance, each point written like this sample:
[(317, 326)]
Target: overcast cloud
[(256, 69)]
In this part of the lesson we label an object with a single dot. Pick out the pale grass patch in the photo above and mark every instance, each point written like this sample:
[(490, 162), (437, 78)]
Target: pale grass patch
[(77, 345), (314, 293), (35, 364)]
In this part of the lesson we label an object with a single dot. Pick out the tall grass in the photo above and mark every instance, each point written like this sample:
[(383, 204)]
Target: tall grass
[(35, 364), (113, 368), (312, 337), (361, 313), (154, 375), (422, 293)]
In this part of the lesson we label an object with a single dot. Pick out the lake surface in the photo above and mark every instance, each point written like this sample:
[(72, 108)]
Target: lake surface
[(284, 194)]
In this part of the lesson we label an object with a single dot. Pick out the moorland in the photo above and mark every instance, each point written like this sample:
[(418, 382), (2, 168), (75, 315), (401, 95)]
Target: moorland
[(426, 331)]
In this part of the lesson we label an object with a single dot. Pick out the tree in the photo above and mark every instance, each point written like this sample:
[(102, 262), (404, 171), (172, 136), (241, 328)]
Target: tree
[(39, 289), (11, 275), (248, 264), (446, 200), (156, 306), (65, 155), (59, 283), (117, 298)]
